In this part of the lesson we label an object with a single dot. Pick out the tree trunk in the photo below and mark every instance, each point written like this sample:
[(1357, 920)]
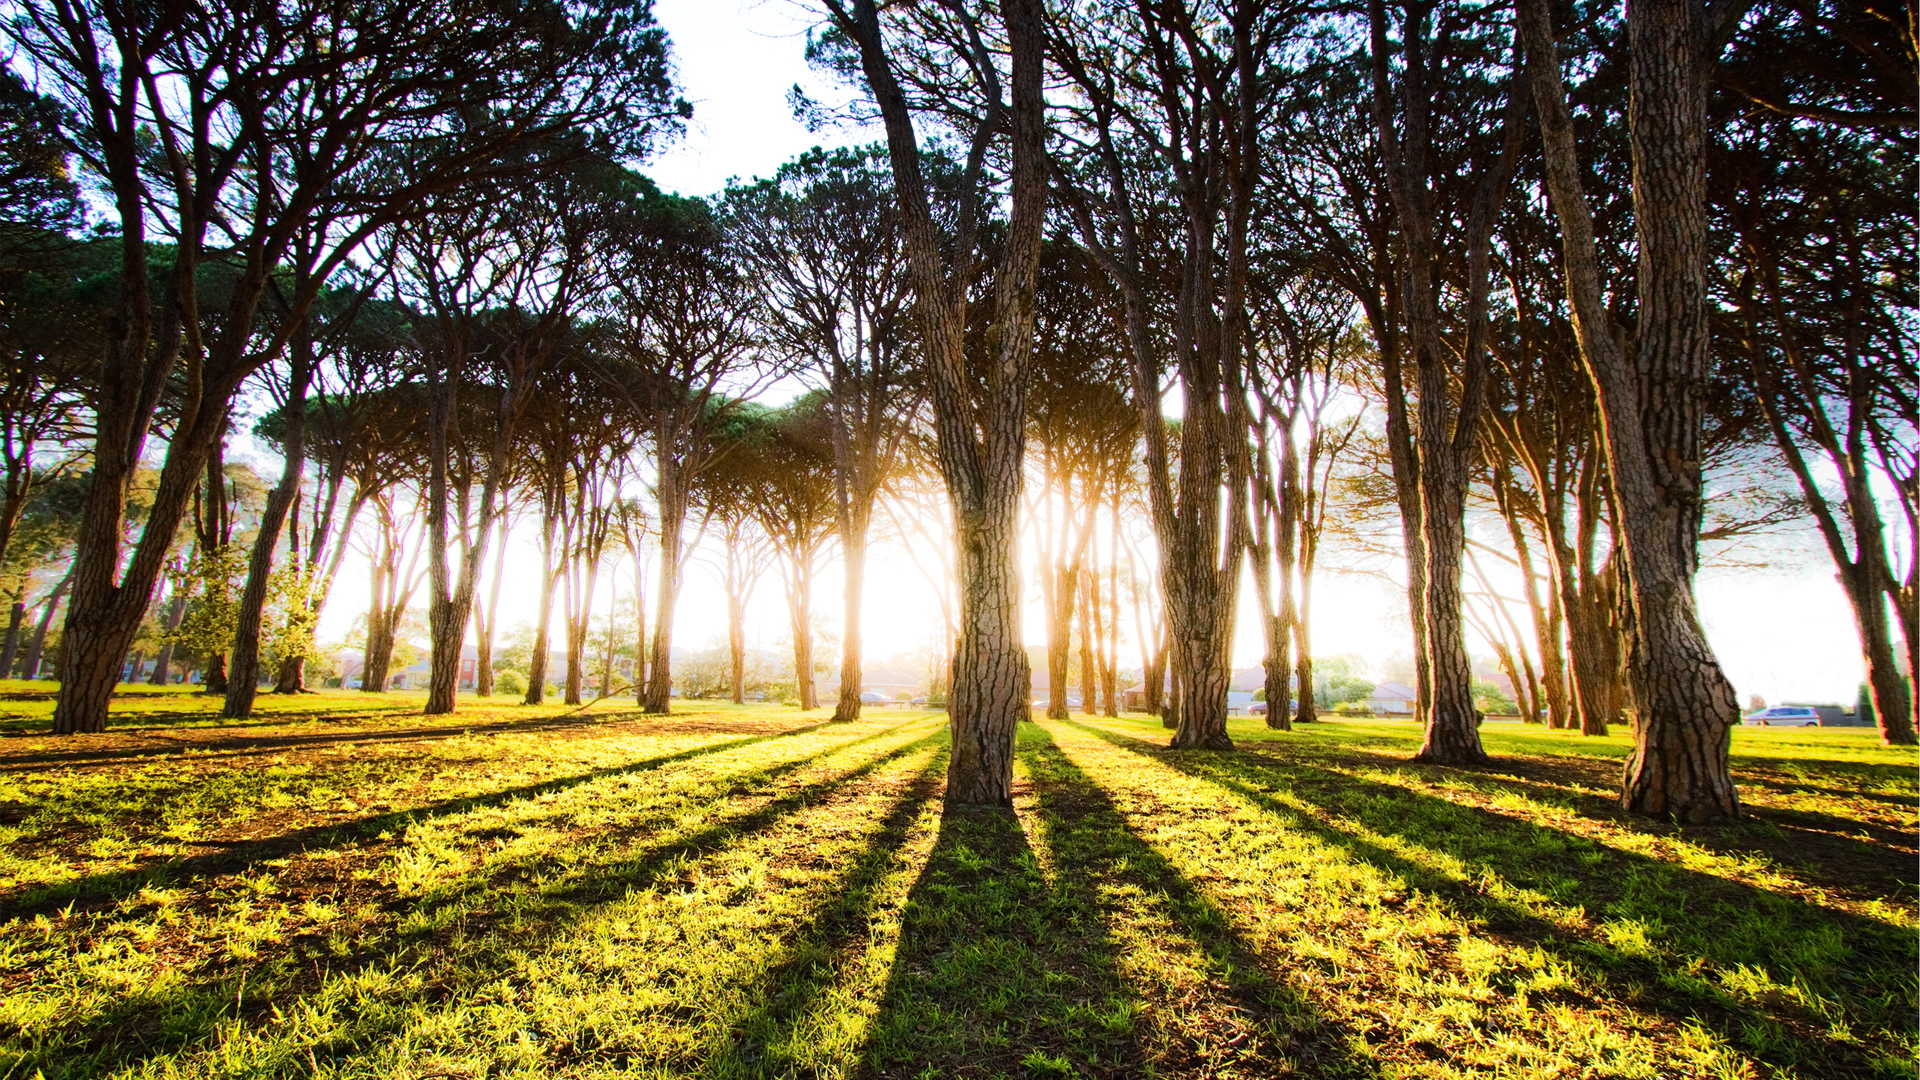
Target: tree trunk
[(543, 622), (853, 546), (216, 674), (244, 683), (800, 614), (991, 679), (16, 617), (736, 632), (487, 624), (292, 676), (659, 695), (163, 661), (1060, 593), (1651, 404), (37, 649)]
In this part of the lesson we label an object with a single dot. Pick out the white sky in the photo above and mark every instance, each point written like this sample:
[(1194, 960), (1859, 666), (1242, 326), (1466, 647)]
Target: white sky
[(1782, 634)]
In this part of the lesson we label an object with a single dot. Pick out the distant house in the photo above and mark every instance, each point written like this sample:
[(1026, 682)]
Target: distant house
[(1393, 699)]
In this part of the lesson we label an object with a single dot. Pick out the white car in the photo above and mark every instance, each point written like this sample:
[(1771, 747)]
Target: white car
[(1783, 716)]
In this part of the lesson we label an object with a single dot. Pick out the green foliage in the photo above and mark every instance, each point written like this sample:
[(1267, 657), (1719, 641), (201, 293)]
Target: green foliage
[(1863, 707), (1334, 691), (1490, 699), (1353, 708), (291, 619), (509, 682), (213, 576)]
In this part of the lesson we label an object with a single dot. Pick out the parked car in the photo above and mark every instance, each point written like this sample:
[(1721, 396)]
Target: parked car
[(1784, 716), (1258, 708)]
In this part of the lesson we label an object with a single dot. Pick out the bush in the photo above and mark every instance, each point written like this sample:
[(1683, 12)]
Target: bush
[(1353, 708), (1863, 707), (509, 682)]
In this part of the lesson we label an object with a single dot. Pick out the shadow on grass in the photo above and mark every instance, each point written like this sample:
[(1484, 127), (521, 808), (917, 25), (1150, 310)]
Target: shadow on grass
[(518, 913), (1822, 847), (96, 890), (1860, 965), (1259, 1024), (244, 745), (986, 981)]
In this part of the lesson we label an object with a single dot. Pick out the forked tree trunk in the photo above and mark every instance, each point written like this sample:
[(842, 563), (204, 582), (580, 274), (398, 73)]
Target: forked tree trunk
[(978, 422), (1651, 403), (245, 682), (37, 648)]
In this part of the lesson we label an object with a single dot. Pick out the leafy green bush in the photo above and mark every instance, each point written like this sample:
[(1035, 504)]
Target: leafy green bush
[(509, 682), (1353, 708)]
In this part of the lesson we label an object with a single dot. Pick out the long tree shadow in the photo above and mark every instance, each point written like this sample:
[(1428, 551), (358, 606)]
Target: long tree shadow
[(986, 979), (1264, 1025), (765, 1040), (95, 890), (240, 745), (1793, 942), (515, 908), (1823, 848)]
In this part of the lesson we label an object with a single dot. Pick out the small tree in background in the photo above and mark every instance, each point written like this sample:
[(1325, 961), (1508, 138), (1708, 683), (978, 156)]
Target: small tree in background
[(1863, 706)]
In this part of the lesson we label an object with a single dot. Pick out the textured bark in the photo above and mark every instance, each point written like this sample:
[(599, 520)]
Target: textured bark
[(672, 496), (978, 407), (1651, 402), (163, 660)]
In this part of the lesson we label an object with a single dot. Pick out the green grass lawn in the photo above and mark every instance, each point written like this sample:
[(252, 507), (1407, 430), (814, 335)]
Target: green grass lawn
[(345, 889)]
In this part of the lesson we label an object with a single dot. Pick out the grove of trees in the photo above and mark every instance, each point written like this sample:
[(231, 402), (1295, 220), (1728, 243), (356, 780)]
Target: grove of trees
[(1137, 311)]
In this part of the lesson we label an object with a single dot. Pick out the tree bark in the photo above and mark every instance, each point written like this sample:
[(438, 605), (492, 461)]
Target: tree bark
[(978, 407), (1651, 404), (853, 547)]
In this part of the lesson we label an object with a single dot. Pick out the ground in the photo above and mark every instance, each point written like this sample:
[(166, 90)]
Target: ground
[(344, 889)]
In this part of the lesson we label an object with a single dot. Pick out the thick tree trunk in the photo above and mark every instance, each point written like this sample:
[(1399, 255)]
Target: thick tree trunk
[(1452, 721), (978, 407), (291, 678), (216, 674), (1651, 404), (991, 679), (1892, 696)]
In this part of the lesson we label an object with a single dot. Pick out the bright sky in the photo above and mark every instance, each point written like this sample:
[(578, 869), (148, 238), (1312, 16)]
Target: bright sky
[(1784, 634)]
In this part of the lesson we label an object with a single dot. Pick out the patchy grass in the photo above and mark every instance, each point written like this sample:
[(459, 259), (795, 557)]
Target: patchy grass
[(345, 890)]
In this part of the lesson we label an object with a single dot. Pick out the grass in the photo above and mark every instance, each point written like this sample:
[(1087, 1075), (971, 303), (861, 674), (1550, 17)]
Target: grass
[(344, 889)]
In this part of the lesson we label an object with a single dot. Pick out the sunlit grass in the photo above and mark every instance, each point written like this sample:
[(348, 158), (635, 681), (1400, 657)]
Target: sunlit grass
[(349, 890)]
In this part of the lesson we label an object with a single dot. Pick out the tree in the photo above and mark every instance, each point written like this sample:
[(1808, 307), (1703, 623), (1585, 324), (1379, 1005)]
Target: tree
[(1650, 396), (824, 242), (978, 394), (269, 131), (679, 324)]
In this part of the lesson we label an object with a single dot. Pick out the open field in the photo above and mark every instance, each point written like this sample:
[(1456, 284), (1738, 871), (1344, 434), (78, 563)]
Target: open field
[(342, 889)]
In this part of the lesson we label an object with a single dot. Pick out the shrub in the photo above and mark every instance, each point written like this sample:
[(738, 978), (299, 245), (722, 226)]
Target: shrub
[(1353, 708), (509, 682)]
